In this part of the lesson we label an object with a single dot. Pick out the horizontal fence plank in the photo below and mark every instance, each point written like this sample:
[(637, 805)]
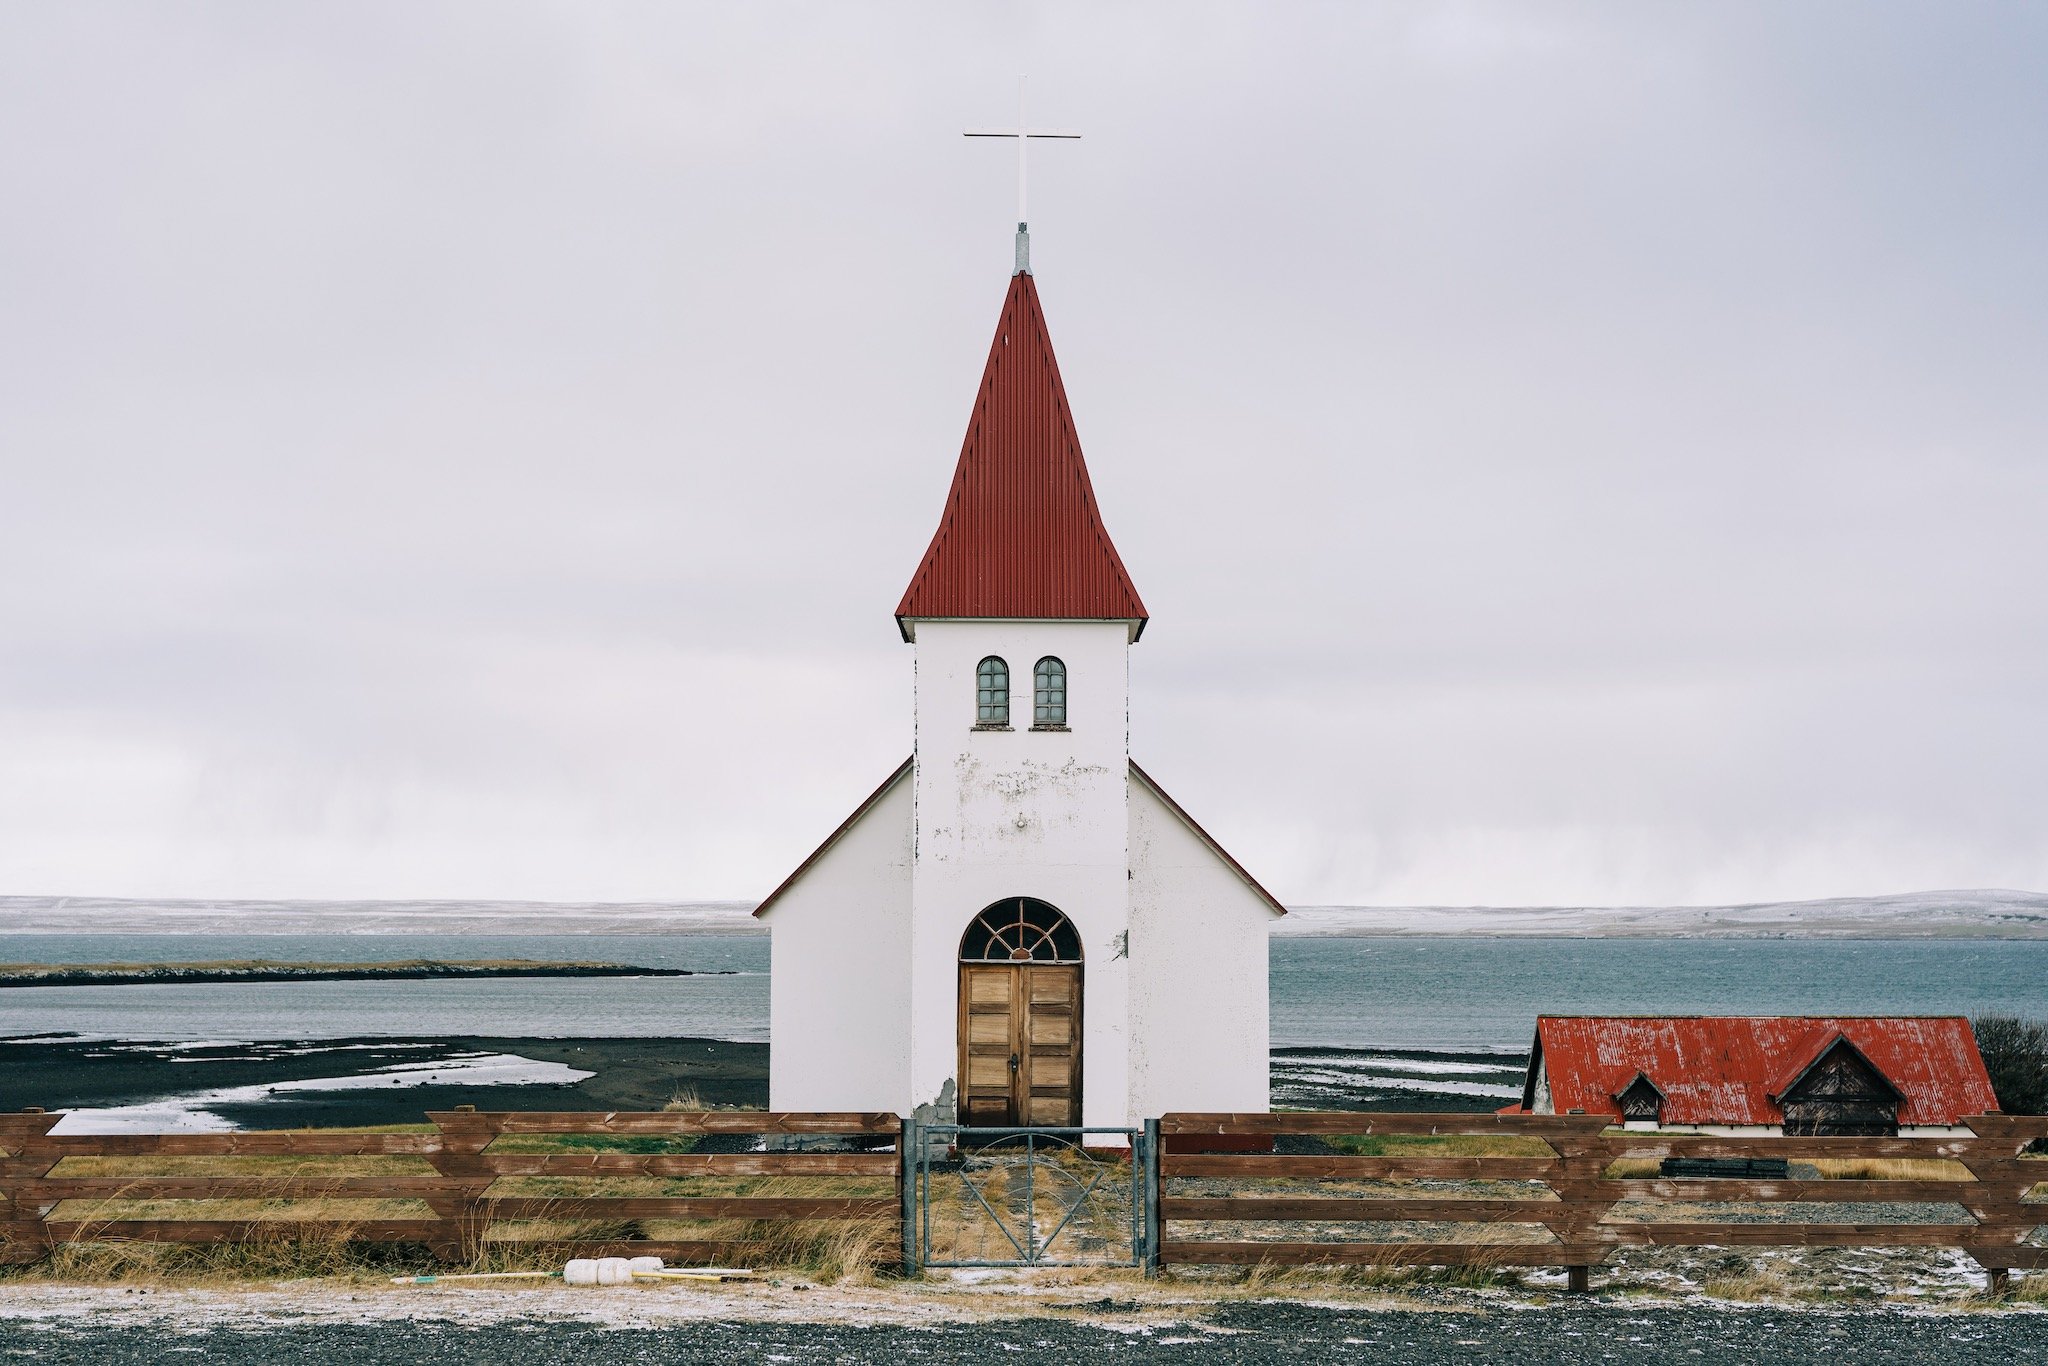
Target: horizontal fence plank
[(1699, 1234), (15, 1123), (1201, 1253), (245, 1188), (252, 1143), (1346, 1210), (703, 1252), (686, 1207), (669, 1122), (670, 1164), (242, 1230), (1373, 1122), (2010, 1258), (1722, 1190), (2009, 1126), (1645, 1145), (1355, 1168)]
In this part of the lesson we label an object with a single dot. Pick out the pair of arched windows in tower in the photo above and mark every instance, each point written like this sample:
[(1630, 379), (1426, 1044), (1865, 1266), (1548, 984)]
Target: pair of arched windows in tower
[(1048, 694)]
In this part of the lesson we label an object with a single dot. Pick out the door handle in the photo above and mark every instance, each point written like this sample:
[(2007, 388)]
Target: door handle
[(1013, 1062)]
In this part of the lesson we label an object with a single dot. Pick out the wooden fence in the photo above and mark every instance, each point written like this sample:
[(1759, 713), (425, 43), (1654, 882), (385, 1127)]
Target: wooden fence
[(458, 1166), (1550, 1196), (1572, 1211)]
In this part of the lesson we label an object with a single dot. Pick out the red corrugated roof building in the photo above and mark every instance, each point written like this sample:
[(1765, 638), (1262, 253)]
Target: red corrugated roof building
[(1795, 1074), (1021, 537)]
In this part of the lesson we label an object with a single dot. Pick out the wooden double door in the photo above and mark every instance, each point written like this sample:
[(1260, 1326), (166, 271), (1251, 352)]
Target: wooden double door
[(1020, 1043)]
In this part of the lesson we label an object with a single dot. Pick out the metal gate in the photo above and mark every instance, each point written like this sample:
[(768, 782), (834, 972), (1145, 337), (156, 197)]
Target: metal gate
[(1047, 1196)]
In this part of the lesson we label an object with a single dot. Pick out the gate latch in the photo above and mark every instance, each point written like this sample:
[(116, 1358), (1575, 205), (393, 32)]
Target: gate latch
[(1013, 1062)]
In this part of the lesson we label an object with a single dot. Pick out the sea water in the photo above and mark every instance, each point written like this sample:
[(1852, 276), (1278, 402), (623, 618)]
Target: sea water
[(1447, 994)]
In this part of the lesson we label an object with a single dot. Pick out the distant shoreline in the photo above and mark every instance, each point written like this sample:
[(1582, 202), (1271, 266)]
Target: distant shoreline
[(419, 969), (1982, 913)]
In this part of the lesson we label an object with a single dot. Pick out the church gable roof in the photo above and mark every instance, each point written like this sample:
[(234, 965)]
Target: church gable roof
[(1151, 785), (846, 826), (1021, 536)]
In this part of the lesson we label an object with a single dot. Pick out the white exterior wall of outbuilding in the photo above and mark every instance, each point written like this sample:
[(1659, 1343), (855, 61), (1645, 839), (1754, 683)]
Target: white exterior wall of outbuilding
[(1022, 813), (838, 985), (1198, 978)]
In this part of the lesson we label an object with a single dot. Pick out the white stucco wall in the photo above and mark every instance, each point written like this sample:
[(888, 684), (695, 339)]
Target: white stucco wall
[(1022, 813), (865, 972), (838, 986), (1198, 979)]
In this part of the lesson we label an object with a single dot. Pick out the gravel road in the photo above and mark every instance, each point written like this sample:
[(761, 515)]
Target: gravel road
[(1251, 1333)]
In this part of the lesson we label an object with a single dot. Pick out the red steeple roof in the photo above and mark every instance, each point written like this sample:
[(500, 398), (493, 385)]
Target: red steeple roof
[(1021, 535)]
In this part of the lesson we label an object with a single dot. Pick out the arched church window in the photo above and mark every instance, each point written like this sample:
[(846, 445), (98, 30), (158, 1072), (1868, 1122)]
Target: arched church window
[(992, 693), (1049, 695), (1020, 930)]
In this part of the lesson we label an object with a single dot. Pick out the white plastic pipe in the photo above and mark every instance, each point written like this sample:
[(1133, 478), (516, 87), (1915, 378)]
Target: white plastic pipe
[(472, 1276)]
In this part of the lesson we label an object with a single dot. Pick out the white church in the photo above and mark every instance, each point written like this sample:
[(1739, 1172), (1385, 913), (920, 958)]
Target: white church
[(1020, 926)]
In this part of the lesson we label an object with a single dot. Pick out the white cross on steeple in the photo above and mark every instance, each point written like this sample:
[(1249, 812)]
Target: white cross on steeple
[(1023, 132)]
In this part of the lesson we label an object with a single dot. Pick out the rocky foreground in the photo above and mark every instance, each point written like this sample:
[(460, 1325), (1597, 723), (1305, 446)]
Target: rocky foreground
[(1045, 1319)]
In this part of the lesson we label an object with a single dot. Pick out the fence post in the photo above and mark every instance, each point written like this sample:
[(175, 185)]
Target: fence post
[(463, 1137), (907, 1141), (1154, 1231)]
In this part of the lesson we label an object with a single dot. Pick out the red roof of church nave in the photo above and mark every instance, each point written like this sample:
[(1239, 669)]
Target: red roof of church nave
[(1728, 1069), (1021, 535)]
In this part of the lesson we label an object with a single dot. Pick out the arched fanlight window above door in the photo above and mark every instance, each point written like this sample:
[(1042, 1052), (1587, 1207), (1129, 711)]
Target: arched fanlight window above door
[(992, 693), (1020, 930), (1049, 695)]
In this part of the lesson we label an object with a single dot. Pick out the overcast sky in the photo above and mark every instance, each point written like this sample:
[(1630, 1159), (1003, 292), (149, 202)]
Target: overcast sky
[(1572, 453)]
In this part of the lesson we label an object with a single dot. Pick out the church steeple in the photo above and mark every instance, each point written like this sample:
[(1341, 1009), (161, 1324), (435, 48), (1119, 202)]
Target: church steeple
[(1021, 537)]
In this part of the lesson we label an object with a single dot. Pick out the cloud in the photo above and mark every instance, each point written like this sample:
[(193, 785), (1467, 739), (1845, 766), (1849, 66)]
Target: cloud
[(1574, 454)]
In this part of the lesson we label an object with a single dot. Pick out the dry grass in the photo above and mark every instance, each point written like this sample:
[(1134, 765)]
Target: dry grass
[(1891, 1169), (644, 1144), (280, 1209), (818, 1187), (290, 1254), (1750, 1285), (855, 1251), (1271, 1278)]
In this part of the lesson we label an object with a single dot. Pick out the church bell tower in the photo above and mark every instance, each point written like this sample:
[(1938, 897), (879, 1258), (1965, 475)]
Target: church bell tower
[(1021, 617)]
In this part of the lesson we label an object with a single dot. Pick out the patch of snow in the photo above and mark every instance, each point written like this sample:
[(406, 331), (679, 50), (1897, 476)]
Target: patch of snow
[(1984, 913), (1317, 1078), (1375, 1063), (192, 1112)]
